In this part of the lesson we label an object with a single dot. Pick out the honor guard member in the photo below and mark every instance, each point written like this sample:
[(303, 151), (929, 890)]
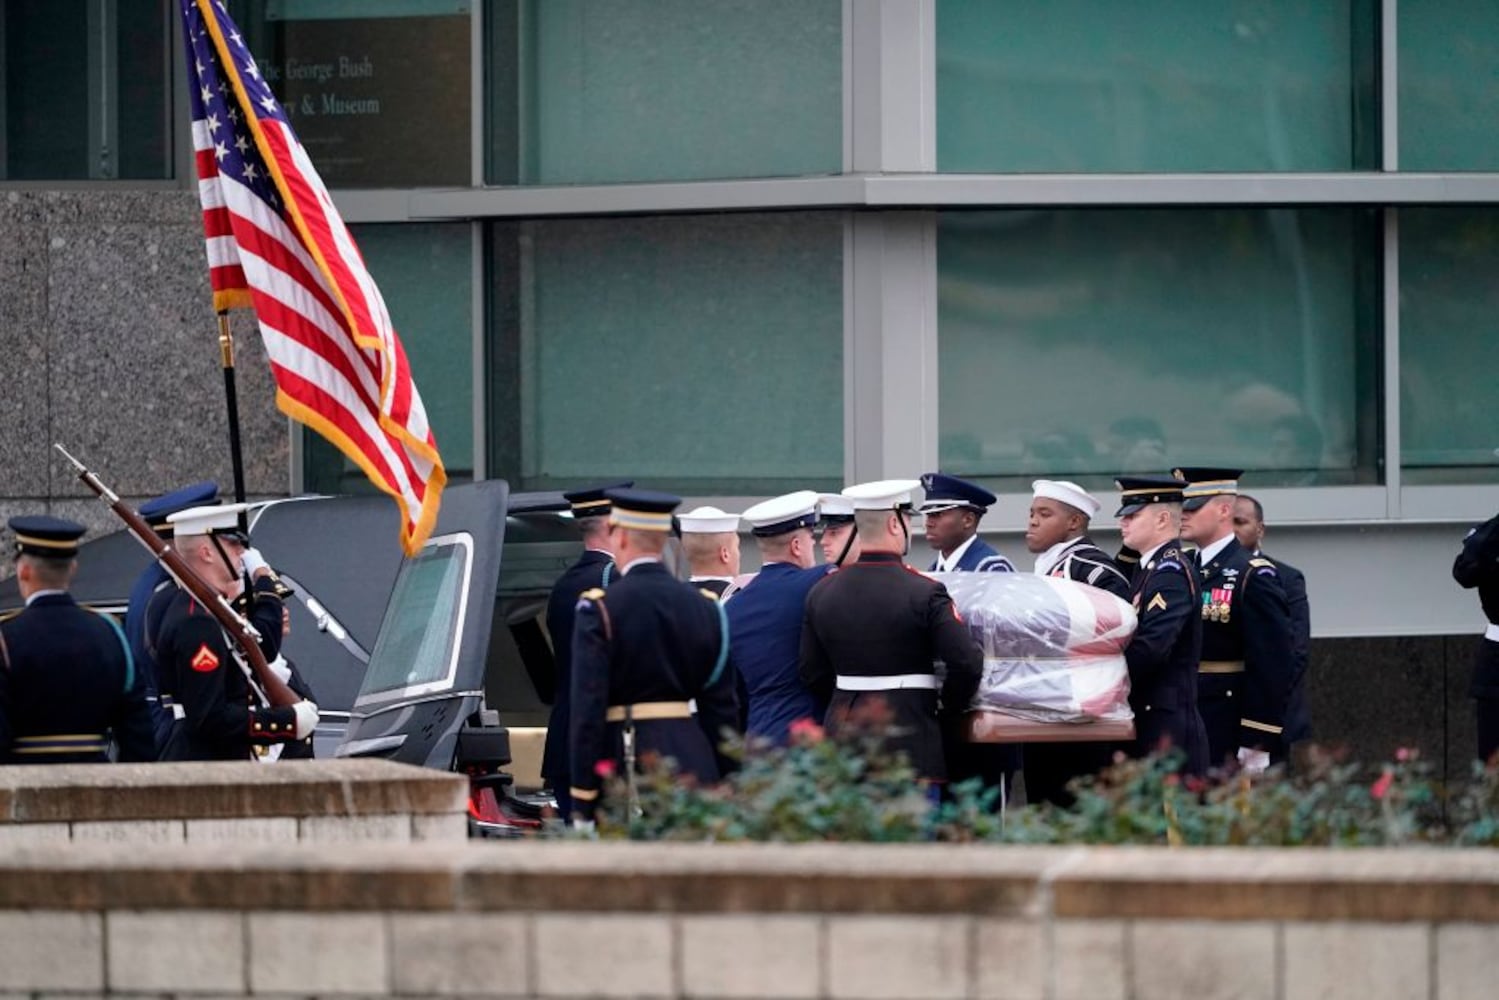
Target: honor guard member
[(874, 630), (67, 682), (594, 570), (221, 714), (1477, 565), (1249, 528), (765, 618), (1245, 676), (1057, 534), (835, 518), (1163, 653), (710, 540), (953, 509), (153, 578), (642, 652)]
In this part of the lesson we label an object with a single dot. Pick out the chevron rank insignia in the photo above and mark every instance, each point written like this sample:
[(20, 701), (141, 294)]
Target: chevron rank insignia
[(1158, 601), (205, 660)]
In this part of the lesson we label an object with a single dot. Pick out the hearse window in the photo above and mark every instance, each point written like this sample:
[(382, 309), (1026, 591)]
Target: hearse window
[(417, 650)]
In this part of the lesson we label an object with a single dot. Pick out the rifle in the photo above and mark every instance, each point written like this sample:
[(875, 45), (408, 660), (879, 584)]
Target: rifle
[(245, 636)]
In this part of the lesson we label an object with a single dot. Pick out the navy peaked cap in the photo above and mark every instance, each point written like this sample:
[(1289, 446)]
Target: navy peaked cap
[(1136, 492), (1204, 483), (158, 509), (944, 492), (46, 536), (590, 501)]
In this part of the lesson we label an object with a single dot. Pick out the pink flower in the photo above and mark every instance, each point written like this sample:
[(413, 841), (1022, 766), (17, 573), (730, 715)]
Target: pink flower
[(1381, 786), (604, 769), (1404, 754), (1172, 780), (804, 731)]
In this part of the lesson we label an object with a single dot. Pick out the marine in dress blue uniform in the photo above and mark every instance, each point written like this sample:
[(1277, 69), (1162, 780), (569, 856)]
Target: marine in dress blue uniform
[(1163, 654), (1244, 680), (874, 630), (67, 682), (155, 512), (1477, 566), (765, 617), (642, 653), (594, 570), (953, 508), (221, 715)]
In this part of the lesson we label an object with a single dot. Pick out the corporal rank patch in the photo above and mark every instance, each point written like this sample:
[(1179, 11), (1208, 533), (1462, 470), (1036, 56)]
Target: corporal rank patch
[(205, 660)]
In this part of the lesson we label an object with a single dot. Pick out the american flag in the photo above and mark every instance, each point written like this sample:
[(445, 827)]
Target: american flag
[(276, 244)]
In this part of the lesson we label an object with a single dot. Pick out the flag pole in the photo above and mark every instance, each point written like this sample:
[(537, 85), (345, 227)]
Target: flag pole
[(231, 402)]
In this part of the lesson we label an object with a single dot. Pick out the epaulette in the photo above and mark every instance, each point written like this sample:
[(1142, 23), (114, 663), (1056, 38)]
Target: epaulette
[(707, 593), (592, 594), (1260, 562), (6, 616)]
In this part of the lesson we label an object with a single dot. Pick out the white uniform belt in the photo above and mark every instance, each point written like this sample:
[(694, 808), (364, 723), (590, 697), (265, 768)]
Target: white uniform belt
[(643, 711), (1491, 633), (891, 682)]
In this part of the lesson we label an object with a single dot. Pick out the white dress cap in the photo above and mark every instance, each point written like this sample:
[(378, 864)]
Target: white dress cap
[(835, 505), (1070, 494), (886, 494), (781, 514), (206, 520), (707, 521)]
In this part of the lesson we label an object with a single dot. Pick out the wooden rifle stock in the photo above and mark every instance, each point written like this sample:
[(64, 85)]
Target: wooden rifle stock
[(238, 628)]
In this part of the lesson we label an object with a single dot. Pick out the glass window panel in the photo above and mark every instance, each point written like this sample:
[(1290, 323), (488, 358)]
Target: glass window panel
[(600, 91), (1448, 85), (702, 354), (1173, 85), (378, 90), (1083, 344), (425, 273), (1449, 345)]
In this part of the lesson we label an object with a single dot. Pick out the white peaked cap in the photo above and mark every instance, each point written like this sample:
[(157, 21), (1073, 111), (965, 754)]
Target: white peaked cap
[(1069, 493), (206, 520), (886, 494), (707, 521), (781, 514), (835, 505)]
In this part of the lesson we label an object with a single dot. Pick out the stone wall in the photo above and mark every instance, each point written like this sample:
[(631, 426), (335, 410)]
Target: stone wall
[(764, 921)]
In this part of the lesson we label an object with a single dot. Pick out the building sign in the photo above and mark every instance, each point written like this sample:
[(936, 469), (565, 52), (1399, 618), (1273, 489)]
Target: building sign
[(378, 101)]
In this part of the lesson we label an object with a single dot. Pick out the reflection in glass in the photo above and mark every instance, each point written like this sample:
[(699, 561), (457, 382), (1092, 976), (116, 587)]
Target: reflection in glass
[(1084, 344), (601, 91), (1449, 84), (416, 650), (1449, 351), (696, 353), (1173, 85)]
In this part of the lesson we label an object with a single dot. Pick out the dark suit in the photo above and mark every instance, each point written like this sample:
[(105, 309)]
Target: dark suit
[(980, 557), (1477, 565), (1298, 715), (1050, 766), (650, 639), (593, 570), (878, 618), (1163, 658), (765, 630), (1245, 622), (66, 684)]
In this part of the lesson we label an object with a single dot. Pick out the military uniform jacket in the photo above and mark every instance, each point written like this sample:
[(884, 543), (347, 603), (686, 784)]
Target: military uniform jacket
[(594, 570), (222, 718), (1298, 716), (878, 617), (66, 683), (765, 633), (1162, 658), (1086, 563), (1477, 565), (650, 638), (1245, 618), (713, 586), (979, 557), (152, 577)]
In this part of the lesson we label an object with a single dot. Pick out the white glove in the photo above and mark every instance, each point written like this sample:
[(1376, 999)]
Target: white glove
[(281, 669), (306, 718), (254, 562), (1254, 761), (585, 827)]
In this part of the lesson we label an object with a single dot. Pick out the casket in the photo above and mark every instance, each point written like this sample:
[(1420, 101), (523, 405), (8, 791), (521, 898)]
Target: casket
[(1054, 668)]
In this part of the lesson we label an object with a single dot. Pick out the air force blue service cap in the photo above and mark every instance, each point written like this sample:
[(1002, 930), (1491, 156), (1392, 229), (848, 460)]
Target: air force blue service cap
[(884, 494), (591, 501), (1138, 492), (1203, 484), (707, 521), (156, 510), (783, 514), (945, 492), (218, 519), (642, 510), (835, 509), (47, 537)]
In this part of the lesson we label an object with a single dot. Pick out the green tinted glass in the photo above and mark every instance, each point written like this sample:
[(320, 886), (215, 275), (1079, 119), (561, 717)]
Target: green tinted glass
[(1448, 84), (424, 271), (1067, 86), (1081, 344), (599, 91), (1449, 424), (696, 353)]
